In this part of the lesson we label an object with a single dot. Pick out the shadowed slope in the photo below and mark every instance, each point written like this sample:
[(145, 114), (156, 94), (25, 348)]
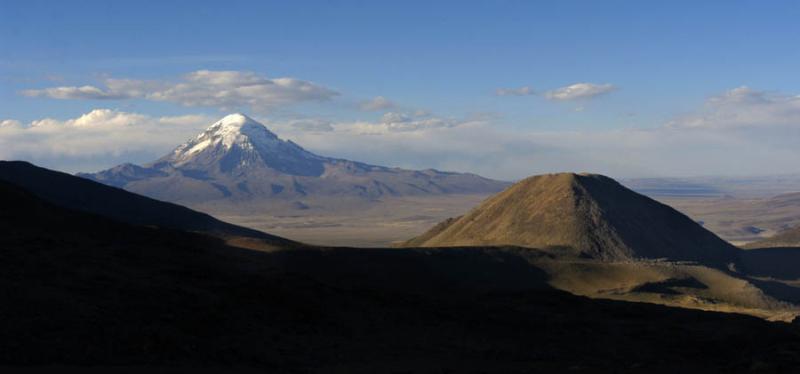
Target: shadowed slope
[(79, 289), (80, 194), (591, 214)]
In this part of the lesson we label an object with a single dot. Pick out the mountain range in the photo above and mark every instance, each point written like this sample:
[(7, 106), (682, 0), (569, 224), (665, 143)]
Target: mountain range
[(237, 159)]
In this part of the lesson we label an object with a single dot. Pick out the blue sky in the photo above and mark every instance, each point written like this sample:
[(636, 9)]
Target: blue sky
[(650, 71)]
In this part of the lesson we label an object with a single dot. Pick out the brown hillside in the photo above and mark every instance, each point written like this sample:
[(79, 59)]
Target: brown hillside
[(788, 238), (591, 214)]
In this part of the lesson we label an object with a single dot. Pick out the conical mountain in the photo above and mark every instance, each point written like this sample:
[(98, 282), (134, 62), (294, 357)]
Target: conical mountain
[(238, 159), (590, 214), (238, 143)]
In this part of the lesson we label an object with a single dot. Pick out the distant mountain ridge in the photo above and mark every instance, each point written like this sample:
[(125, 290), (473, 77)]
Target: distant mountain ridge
[(239, 159), (591, 214)]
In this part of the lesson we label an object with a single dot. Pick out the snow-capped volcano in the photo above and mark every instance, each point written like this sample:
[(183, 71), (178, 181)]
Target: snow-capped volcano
[(233, 130), (239, 159), (239, 142)]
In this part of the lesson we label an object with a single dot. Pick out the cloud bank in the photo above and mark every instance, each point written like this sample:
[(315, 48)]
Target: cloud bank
[(312, 124), (744, 108), (202, 88), (739, 132), (96, 139), (573, 92)]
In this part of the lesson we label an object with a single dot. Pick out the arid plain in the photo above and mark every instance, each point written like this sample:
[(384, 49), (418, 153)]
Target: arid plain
[(752, 212)]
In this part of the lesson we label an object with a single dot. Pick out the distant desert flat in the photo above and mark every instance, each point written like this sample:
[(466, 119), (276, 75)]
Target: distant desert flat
[(741, 220), (740, 210), (379, 223)]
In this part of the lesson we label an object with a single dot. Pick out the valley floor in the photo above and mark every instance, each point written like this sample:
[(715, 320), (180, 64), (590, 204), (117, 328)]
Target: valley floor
[(353, 223), (381, 223), (739, 220)]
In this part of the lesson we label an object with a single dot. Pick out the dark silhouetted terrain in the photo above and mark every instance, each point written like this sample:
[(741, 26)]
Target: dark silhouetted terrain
[(79, 289), (84, 195)]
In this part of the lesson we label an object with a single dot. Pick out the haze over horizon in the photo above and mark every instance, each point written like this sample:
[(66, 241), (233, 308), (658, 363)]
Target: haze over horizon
[(504, 90)]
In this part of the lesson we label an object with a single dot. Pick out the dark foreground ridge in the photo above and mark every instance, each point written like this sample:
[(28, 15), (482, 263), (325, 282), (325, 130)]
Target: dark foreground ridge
[(80, 289), (80, 194)]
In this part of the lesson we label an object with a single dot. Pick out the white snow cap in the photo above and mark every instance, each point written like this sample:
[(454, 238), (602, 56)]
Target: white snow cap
[(233, 129), (233, 120), (236, 128)]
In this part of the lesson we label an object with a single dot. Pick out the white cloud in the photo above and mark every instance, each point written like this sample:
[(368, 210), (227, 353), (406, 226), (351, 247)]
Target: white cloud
[(72, 92), (98, 139), (376, 104), (521, 91), (403, 122), (744, 108), (9, 123), (202, 88), (312, 124), (482, 146), (493, 151), (763, 141), (579, 91)]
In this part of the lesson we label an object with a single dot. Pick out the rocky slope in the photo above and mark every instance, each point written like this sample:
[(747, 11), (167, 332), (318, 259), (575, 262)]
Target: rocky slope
[(591, 215)]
